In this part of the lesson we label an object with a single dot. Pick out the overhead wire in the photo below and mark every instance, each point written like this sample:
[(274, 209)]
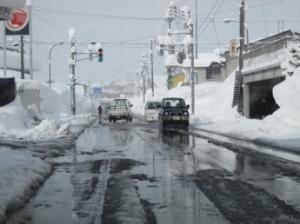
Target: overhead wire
[(213, 14), (207, 17), (264, 17), (57, 10)]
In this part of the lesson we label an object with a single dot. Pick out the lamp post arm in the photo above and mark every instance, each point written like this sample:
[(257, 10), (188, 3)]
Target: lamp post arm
[(49, 60)]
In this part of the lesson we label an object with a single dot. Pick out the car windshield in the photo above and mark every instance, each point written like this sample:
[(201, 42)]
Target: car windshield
[(153, 105), (174, 103), (120, 104)]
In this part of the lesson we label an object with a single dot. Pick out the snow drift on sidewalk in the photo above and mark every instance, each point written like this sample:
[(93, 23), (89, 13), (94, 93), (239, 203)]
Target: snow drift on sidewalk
[(20, 175)]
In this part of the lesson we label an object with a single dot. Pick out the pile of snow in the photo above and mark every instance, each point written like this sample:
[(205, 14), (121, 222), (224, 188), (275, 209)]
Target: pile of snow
[(13, 117), (54, 107), (20, 174)]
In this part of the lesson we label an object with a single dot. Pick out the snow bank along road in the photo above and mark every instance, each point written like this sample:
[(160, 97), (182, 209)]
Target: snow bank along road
[(133, 173)]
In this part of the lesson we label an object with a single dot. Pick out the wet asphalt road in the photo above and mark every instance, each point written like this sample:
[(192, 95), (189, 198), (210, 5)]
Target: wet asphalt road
[(133, 173)]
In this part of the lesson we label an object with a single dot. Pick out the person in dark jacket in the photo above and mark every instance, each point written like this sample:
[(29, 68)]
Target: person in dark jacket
[(99, 113)]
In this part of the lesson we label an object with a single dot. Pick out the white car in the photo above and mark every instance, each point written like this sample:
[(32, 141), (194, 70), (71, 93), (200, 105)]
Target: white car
[(151, 110), (120, 109)]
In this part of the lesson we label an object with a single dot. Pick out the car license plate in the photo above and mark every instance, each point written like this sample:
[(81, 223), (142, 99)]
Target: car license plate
[(176, 118)]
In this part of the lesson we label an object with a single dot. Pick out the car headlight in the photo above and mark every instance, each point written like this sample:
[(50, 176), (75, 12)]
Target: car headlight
[(185, 113), (166, 113)]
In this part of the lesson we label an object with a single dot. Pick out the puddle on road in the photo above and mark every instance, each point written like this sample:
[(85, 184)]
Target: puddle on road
[(276, 179), (197, 154)]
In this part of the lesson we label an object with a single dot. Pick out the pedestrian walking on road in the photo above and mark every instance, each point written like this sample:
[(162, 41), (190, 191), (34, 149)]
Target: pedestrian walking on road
[(100, 113)]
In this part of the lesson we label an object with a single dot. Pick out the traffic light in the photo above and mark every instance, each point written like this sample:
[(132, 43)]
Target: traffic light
[(100, 55)]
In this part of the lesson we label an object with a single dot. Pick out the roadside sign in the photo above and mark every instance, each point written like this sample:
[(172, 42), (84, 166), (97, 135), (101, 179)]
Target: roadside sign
[(5, 13), (97, 90), (19, 22)]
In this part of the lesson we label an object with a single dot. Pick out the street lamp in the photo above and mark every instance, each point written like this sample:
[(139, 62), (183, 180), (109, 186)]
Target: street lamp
[(49, 60), (232, 20)]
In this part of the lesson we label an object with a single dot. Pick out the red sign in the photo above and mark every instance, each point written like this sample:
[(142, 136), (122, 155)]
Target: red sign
[(19, 20)]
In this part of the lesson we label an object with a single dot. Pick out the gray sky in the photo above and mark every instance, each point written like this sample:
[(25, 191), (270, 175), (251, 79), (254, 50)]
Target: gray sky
[(119, 23)]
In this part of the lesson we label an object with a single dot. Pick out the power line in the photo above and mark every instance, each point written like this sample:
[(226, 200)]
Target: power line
[(214, 14), (207, 17), (47, 22), (264, 17), (56, 10)]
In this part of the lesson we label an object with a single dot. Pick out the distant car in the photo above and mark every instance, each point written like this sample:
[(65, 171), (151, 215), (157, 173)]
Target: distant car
[(174, 112), (151, 110), (120, 109)]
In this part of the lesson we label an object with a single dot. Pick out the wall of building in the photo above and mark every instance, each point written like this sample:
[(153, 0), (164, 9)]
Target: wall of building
[(200, 75)]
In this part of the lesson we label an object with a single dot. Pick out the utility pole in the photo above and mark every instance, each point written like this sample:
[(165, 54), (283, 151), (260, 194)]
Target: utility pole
[(72, 70), (152, 70), (242, 35), (196, 27), (238, 86), (22, 57), (192, 69), (143, 74)]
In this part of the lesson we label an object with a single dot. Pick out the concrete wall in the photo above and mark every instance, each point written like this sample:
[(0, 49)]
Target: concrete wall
[(230, 66)]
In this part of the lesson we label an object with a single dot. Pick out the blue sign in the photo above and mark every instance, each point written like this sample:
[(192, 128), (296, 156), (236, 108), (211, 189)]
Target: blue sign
[(97, 90)]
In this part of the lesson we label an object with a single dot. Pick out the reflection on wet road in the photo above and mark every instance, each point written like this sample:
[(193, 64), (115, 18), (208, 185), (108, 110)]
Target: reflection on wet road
[(122, 173)]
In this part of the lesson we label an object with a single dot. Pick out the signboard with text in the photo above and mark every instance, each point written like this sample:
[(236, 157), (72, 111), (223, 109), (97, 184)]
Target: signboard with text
[(19, 22), (97, 90)]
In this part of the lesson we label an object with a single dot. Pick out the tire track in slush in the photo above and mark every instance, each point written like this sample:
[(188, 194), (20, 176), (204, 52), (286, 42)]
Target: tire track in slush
[(122, 200)]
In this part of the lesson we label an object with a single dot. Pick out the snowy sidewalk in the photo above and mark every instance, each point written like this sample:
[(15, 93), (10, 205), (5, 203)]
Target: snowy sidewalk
[(21, 173), (20, 176)]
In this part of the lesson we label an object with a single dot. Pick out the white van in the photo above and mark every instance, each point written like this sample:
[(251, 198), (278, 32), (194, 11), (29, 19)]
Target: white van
[(151, 110), (120, 109)]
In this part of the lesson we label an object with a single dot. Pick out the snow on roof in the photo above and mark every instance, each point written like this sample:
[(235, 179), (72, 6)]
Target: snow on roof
[(165, 40), (204, 60), (171, 60), (187, 40)]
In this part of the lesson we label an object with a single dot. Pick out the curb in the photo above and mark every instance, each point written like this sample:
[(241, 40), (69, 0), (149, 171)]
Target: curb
[(256, 141)]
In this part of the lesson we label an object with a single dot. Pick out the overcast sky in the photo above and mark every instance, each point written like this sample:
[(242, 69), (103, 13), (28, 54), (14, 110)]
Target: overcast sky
[(120, 24)]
